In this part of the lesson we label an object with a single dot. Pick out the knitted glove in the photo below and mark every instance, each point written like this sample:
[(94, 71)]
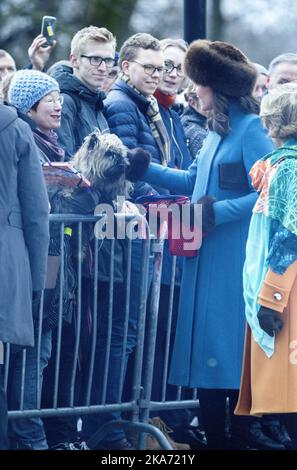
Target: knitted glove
[(139, 162), (270, 321), (208, 216)]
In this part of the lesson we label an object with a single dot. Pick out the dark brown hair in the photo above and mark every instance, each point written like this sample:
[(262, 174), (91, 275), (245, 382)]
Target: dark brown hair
[(218, 120)]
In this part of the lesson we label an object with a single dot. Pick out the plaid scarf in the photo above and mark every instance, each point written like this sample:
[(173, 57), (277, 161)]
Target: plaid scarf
[(156, 123)]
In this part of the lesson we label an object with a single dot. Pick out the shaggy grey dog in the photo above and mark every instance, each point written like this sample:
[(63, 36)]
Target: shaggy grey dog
[(102, 159), (109, 166)]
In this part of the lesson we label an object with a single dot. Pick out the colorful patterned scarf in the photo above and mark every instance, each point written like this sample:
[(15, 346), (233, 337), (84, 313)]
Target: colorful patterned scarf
[(275, 177), (156, 123)]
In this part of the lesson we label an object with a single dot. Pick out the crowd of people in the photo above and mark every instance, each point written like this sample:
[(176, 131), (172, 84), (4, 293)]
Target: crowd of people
[(230, 145)]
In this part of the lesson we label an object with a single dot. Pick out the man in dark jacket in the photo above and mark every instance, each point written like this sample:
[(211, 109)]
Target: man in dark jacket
[(132, 111), (92, 55), (23, 237)]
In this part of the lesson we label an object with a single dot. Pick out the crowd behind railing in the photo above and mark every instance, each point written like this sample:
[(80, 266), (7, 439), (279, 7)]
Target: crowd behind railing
[(100, 330)]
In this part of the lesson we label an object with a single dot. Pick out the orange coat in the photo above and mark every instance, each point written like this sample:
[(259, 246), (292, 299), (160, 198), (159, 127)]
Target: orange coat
[(269, 385)]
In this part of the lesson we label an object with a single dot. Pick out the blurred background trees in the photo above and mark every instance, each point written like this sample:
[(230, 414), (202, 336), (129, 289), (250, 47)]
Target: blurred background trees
[(262, 28), (20, 21)]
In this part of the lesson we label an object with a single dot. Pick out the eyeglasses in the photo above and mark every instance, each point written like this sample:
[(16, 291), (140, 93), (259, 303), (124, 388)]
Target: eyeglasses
[(96, 61), (51, 101), (149, 69), (169, 67)]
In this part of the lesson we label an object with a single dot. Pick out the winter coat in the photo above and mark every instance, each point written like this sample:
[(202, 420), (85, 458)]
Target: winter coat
[(210, 329), (194, 125), (24, 230), (179, 153), (82, 111), (269, 385), (126, 115)]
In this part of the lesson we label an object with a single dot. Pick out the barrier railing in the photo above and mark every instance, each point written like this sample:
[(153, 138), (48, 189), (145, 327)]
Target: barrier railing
[(101, 320)]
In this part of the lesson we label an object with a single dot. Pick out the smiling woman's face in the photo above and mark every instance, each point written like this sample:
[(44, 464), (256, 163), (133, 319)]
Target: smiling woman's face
[(171, 81), (47, 114)]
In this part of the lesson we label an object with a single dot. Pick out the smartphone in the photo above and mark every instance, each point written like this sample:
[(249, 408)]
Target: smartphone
[(48, 29)]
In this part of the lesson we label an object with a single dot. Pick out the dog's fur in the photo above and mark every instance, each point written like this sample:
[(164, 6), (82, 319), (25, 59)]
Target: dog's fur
[(107, 163), (221, 66), (102, 159)]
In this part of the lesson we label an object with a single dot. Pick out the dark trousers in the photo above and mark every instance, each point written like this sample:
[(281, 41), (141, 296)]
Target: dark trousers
[(60, 428), (215, 417), (91, 423), (3, 413)]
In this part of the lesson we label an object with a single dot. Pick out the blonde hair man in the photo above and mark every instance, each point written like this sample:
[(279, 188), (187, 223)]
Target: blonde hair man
[(92, 56)]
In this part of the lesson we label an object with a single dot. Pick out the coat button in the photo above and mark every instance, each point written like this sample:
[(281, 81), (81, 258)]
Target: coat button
[(277, 296)]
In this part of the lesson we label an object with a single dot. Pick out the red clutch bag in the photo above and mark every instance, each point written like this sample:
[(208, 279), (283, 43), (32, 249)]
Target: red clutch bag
[(179, 245)]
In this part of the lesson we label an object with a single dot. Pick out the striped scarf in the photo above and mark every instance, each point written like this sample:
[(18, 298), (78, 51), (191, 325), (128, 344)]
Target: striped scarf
[(156, 123)]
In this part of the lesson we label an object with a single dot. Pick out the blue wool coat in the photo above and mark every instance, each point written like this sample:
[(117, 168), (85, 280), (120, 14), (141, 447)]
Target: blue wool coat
[(210, 329)]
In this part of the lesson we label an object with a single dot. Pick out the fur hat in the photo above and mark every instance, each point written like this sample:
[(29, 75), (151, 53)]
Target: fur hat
[(220, 66), (29, 86)]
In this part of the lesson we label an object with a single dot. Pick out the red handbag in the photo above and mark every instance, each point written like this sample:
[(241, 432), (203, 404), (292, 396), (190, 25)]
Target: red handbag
[(179, 245)]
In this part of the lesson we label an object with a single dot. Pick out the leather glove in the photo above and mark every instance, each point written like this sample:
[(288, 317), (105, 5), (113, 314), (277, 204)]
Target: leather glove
[(208, 216), (270, 321)]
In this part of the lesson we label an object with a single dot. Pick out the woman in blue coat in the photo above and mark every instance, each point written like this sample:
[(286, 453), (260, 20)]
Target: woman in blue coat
[(210, 330)]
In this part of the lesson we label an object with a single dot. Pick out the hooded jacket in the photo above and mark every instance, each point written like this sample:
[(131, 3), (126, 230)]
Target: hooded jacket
[(82, 111)]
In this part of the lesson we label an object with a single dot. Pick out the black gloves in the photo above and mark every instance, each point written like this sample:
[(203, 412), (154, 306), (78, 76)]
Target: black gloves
[(270, 321), (208, 216), (139, 162)]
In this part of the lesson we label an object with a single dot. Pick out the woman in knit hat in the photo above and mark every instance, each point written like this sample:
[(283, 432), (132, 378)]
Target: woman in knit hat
[(36, 96), (38, 101), (210, 328)]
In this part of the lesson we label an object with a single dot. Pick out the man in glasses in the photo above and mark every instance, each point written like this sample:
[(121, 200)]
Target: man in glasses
[(92, 57), (132, 111), (133, 114)]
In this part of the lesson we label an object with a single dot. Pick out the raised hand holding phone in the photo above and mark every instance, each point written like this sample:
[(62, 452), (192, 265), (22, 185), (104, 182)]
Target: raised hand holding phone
[(48, 27)]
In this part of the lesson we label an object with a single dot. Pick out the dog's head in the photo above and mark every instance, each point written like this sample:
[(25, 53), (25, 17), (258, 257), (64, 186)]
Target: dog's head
[(102, 159)]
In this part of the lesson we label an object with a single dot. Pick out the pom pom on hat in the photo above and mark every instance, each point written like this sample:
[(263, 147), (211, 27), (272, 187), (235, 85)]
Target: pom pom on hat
[(28, 87)]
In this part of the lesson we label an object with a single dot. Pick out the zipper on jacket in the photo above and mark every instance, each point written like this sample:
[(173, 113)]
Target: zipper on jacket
[(175, 141)]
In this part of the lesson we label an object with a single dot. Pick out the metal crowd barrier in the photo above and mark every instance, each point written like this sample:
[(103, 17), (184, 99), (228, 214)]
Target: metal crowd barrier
[(133, 396)]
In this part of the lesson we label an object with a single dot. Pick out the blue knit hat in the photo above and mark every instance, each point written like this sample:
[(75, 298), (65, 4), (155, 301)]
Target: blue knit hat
[(28, 87)]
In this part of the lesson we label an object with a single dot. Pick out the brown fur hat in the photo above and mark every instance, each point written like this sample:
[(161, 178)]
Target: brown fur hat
[(220, 66)]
